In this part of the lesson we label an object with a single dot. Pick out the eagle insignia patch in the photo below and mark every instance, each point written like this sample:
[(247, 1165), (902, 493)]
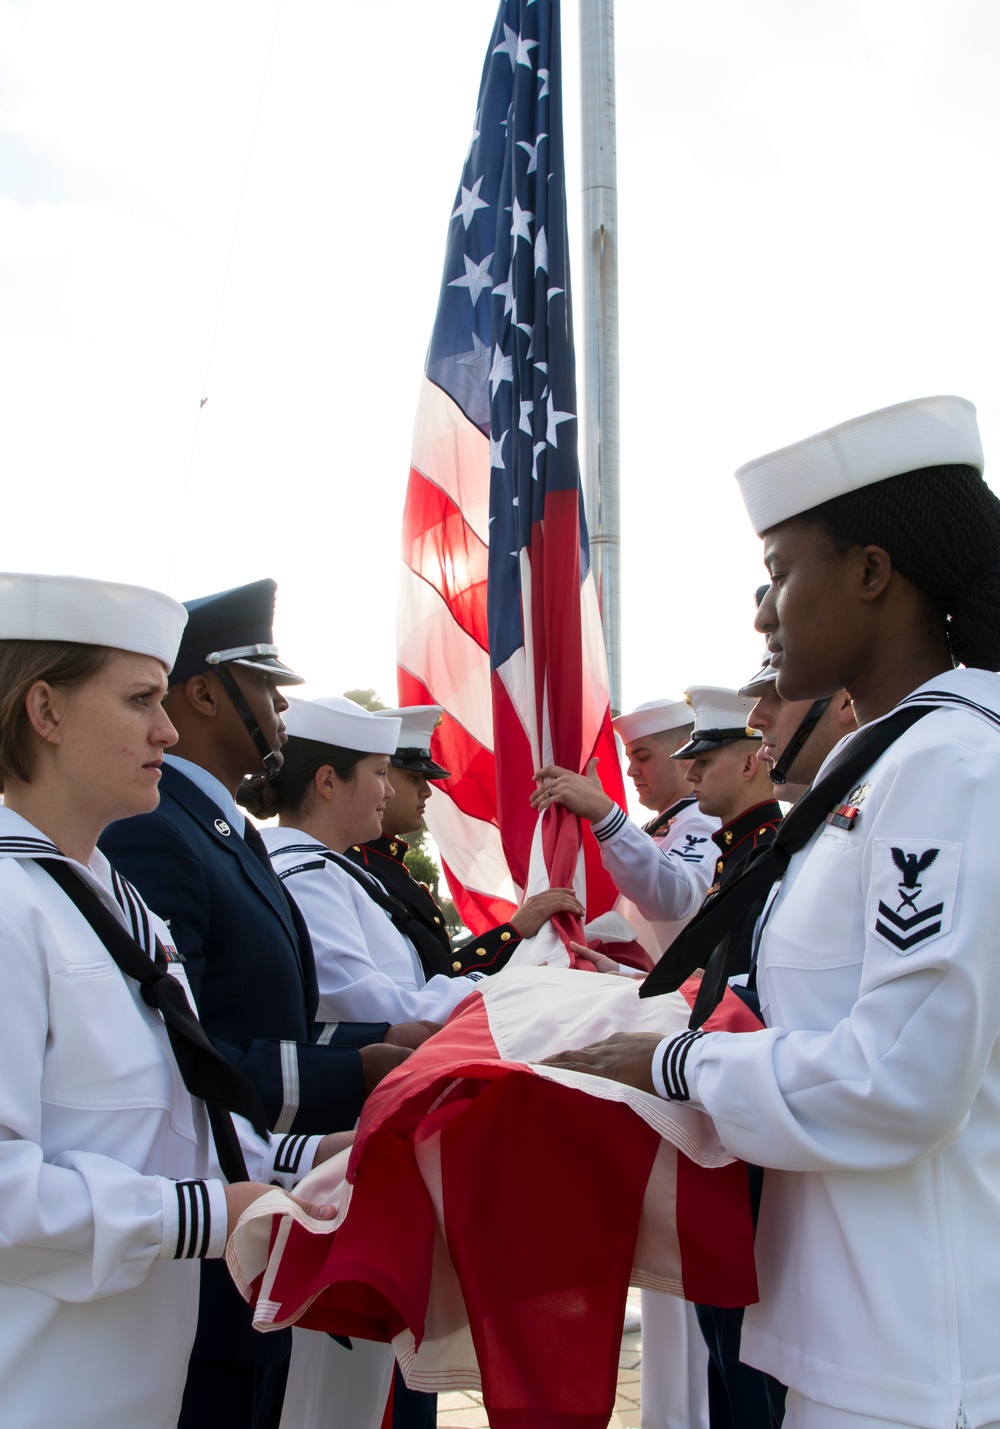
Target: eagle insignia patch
[(690, 851), (913, 891)]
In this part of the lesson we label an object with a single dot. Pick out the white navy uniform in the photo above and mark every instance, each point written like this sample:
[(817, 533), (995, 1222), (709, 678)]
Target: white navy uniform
[(110, 1189), (368, 971), (874, 1090), (667, 877)]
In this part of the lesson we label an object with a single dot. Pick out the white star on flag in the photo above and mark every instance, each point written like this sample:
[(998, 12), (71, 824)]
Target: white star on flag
[(501, 371), (554, 418), (543, 75), (520, 222), (541, 250), (524, 48), (478, 359), (496, 449), (472, 141), (532, 152), (506, 291), (476, 276), (470, 202), (508, 45), (526, 410)]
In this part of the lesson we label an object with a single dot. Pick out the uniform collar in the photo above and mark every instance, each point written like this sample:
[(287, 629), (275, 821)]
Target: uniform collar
[(391, 847), (656, 825), (19, 839), (756, 820), (212, 788)]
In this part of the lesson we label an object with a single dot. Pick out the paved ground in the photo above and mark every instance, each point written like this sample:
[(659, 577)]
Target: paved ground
[(464, 1408)]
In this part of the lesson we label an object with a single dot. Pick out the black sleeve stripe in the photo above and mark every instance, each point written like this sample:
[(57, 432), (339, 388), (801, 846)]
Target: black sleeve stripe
[(194, 1220), (674, 1060), (288, 1157), (618, 821)]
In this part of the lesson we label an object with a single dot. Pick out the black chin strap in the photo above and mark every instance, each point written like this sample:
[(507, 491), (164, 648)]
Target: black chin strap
[(270, 758), (793, 748)]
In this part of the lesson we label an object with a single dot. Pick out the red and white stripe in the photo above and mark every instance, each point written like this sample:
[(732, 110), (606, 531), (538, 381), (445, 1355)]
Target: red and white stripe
[(495, 848), (493, 1212)]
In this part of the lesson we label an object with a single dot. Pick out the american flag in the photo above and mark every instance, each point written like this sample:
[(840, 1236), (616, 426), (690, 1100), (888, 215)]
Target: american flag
[(498, 617), (528, 1312)]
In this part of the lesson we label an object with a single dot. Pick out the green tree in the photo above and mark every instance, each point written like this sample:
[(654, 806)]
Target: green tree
[(367, 699), (421, 865)]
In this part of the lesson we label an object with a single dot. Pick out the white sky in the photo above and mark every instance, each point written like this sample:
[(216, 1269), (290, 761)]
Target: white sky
[(809, 228)]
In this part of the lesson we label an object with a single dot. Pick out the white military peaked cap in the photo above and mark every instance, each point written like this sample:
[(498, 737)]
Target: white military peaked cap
[(720, 717), (931, 431), (414, 748), (654, 717), (91, 612), (339, 721)]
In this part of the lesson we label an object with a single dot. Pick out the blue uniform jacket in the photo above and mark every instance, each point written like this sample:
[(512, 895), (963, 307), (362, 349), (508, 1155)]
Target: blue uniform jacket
[(247, 955)]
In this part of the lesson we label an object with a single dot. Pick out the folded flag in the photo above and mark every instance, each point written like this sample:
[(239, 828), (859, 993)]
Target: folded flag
[(493, 1212)]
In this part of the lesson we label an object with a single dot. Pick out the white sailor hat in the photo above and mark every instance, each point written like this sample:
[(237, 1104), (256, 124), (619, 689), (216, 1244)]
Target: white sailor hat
[(413, 751), (931, 431), (90, 612), (720, 717), (654, 717), (339, 721)]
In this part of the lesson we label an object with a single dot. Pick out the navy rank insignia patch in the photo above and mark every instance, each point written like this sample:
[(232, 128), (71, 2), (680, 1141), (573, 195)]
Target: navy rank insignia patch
[(913, 891), (690, 852)]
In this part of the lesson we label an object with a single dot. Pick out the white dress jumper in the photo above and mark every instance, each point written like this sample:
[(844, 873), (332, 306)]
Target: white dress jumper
[(96, 1129), (873, 1094), (367, 970)]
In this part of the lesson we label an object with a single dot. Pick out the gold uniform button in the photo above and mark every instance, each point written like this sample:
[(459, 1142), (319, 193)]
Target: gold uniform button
[(505, 937), (357, 848), (436, 918), (480, 952), (456, 967), (394, 849), (761, 831)]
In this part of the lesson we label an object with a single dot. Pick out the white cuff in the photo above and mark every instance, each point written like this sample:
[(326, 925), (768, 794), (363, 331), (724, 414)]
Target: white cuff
[(612, 823), (292, 1156), (216, 1248), (669, 1068), (195, 1219), (657, 1069)]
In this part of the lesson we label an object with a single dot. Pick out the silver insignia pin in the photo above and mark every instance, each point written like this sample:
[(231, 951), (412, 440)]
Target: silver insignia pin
[(223, 827)]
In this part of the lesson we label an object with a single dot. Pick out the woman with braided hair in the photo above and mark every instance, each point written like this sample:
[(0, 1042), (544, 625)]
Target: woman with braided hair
[(872, 1094)]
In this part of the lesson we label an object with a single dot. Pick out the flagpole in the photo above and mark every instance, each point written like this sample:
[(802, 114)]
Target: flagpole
[(600, 308)]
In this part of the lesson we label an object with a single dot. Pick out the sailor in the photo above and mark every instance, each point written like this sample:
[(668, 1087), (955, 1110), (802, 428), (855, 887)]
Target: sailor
[(202, 866), (412, 767), (871, 1095), (332, 791), (664, 868), (110, 1186)]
